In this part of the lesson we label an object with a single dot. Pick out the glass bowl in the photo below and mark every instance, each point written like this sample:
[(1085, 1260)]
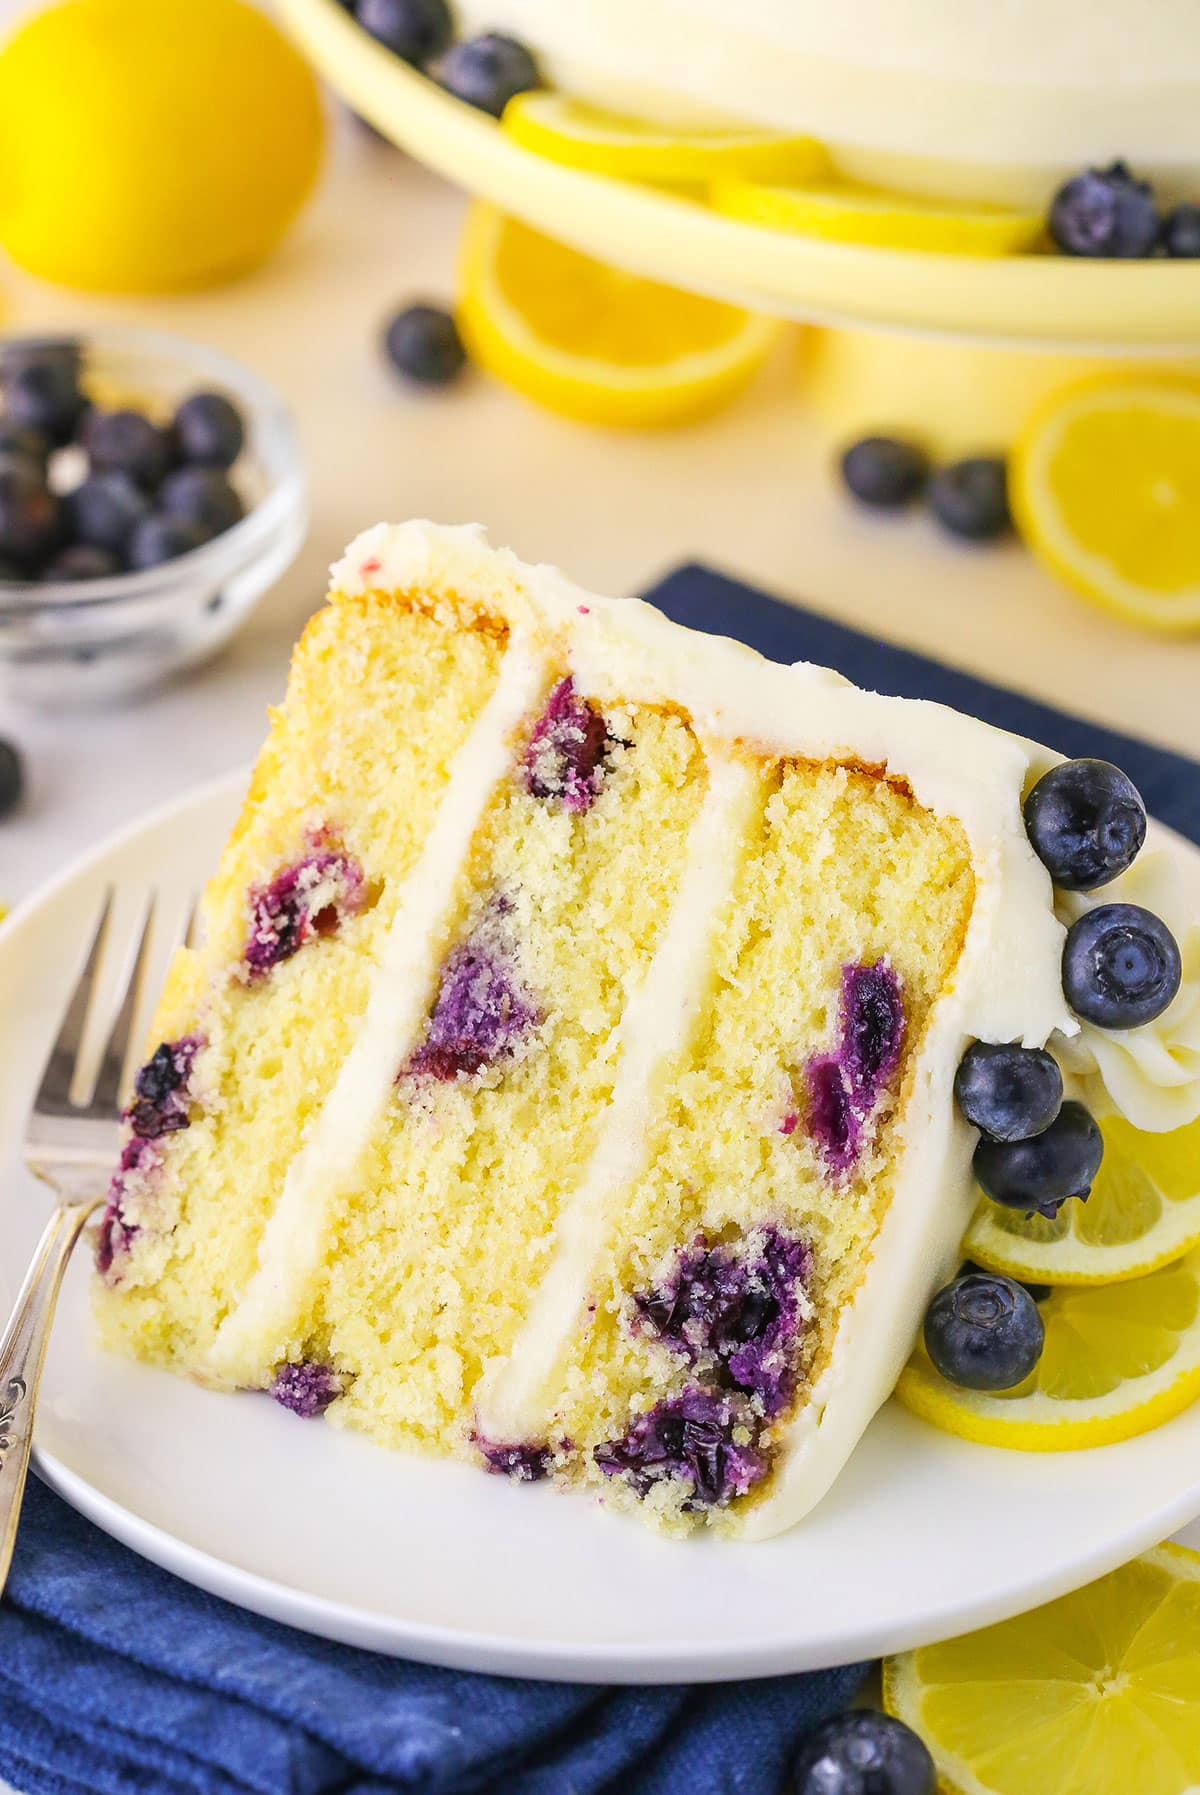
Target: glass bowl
[(95, 640)]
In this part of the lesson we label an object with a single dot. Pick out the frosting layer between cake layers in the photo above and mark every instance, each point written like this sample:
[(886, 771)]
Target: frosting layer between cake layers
[(991, 101), (1006, 983)]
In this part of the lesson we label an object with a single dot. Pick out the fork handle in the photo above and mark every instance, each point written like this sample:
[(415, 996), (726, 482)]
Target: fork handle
[(22, 1355)]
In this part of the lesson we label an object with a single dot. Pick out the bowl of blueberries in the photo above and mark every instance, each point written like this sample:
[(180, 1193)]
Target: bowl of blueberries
[(150, 491)]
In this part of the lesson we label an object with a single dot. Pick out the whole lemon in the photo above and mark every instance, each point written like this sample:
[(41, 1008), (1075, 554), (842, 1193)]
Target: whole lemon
[(147, 146)]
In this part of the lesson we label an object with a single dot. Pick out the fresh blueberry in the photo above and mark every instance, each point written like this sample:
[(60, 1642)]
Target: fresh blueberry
[(863, 1752), (29, 513), (104, 510), (209, 430), (126, 442), (1121, 966), (884, 472), (1181, 231), (983, 1332), (488, 71), (1086, 823), (22, 440), (414, 29), (1105, 212), (204, 496), (159, 538), (45, 396), (82, 561), (12, 777), (1009, 1092), (970, 498), (423, 344), (1038, 1175)]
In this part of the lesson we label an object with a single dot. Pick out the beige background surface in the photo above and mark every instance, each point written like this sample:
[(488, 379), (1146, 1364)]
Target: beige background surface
[(750, 490)]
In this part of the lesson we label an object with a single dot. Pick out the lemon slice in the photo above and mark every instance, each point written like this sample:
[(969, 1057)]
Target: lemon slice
[(1105, 487), (887, 220), (594, 343), (1095, 1694), (1143, 1212), (1118, 1360), (564, 130)]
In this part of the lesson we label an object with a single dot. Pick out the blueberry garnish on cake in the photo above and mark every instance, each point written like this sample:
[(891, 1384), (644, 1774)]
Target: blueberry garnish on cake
[(1121, 966), (984, 1332), (1009, 1092), (1121, 969), (304, 901), (1105, 212), (565, 759)]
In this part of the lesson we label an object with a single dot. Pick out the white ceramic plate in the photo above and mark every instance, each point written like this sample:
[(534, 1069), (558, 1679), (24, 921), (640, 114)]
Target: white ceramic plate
[(922, 1537)]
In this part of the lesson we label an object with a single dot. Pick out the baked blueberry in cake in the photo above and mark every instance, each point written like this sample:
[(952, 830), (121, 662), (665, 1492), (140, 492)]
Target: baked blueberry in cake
[(598, 1032)]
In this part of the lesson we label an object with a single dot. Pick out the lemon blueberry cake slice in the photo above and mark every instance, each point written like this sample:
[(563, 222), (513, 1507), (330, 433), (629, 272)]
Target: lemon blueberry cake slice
[(565, 1080)]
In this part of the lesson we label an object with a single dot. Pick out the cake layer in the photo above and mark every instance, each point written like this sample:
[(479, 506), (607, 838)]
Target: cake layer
[(565, 1077), (984, 101)]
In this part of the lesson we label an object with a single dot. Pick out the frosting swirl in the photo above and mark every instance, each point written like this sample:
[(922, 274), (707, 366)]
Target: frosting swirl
[(1150, 1075)]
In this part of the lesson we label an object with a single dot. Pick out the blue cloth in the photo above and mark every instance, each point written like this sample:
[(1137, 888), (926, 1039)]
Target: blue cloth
[(116, 1679)]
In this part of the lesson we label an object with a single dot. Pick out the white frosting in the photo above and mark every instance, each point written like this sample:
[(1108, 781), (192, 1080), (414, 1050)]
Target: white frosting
[(290, 1250), (653, 1032), (975, 97), (1006, 985), (1150, 1075)]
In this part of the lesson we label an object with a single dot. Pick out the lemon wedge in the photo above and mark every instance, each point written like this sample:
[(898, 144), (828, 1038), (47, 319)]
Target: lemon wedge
[(565, 130), (592, 342), (1144, 1211), (1118, 1360), (1105, 490), (1095, 1694), (886, 220)]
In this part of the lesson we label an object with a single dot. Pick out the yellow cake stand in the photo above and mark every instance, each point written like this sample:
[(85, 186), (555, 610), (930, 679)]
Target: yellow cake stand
[(1048, 301)]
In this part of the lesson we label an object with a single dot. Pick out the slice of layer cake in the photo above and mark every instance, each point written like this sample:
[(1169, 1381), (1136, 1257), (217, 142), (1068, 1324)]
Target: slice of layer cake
[(565, 1078)]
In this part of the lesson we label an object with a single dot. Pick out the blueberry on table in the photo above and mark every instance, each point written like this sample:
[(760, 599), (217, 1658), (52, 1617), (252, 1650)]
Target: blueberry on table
[(414, 30), (12, 777), (1037, 1175), (209, 430), (983, 1332), (1121, 966), (423, 344), (159, 538), (23, 441), (1086, 823), (1009, 1092), (45, 396), (488, 71), (1105, 212), (884, 472), (970, 498), (203, 496), (82, 561), (25, 352), (1181, 231), (863, 1752), (29, 514), (104, 510)]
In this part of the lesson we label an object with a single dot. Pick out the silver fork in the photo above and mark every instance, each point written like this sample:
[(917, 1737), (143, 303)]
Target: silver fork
[(72, 1140)]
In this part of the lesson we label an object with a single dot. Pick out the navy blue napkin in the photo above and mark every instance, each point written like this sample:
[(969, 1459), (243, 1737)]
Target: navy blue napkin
[(116, 1679)]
